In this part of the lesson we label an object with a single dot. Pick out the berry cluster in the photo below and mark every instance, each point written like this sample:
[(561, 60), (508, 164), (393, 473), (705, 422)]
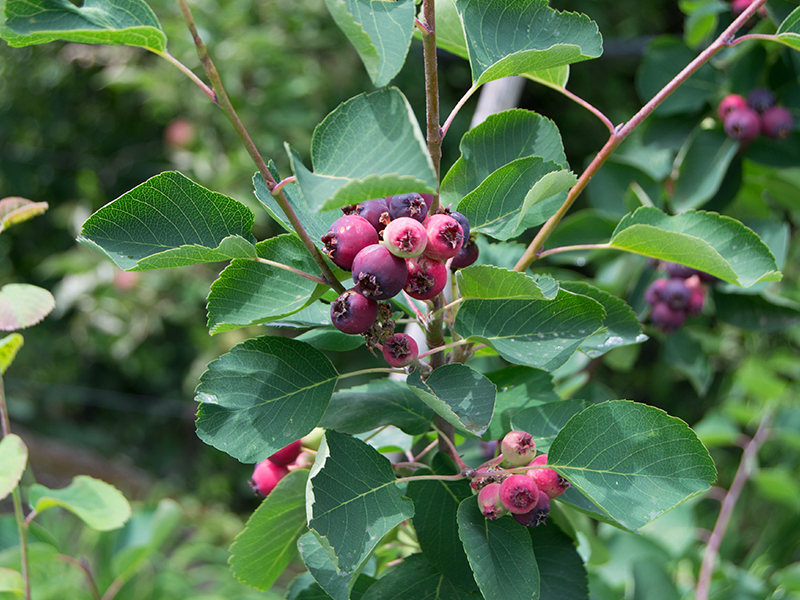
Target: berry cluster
[(269, 472), (745, 118), (392, 245), (676, 296), (526, 496)]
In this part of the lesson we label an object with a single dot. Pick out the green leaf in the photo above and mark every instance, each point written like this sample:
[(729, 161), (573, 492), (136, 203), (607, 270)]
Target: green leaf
[(98, 504), (170, 221), (110, 22), (621, 326), (459, 394), (331, 339), (9, 346), (524, 36), (493, 283), (13, 458), (756, 313), (517, 388), (499, 140), (537, 333), (380, 31), (686, 355), (635, 462), (703, 168), (716, 244), (14, 210), (436, 503), (416, 578), (249, 293), (23, 305), (545, 421), (368, 147), (11, 581), (611, 188), (319, 561), (352, 500), (315, 592), (261, 552), (375, 404), (789, 31), (500, 553), (561, 568), (263, 394), (499, 206)]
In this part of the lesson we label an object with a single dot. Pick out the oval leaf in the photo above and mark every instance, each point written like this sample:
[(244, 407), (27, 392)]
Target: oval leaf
[(263, 394), (15, 210), (23, 305), (98, 504), (488, 282), (561, 568), (13, 458), (718, 245), (545, 421), (12, 581), (110, 22), (517, 388), (416, 578), (789, 31), (170, 221), (703, 168), (9, 346), (635, 462)]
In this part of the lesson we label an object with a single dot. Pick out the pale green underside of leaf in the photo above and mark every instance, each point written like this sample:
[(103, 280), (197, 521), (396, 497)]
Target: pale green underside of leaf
[(13, 458), (23, 305), (493, 283), (9, 346), (111, 22), (15, 210), (789, 31), (380, 32), (98, 504), (261, 552), (716, 244), (11, 581), (633, 461), (170, 221), (321, 563)]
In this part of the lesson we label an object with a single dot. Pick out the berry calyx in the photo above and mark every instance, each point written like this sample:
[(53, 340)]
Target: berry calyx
[(550, 483), (777, 123), (400, 350), (462, 220), (519, 494), (266, 476), (518, 448), (408, 205), (489, 502), (353, 313), (537, 516), (379, 274), (445, 237), (730, 103), (287, 454), (347, 237), (742, 125), (426, 277), (405, 237)]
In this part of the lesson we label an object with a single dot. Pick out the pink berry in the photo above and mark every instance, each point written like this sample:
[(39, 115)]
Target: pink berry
[(537, 516), (347, 237), (400, 350), (405, 237), (379, 274), (518, 448), (287, 454), (739, 6), (519, 494), (548, 481), (777, 122), (489, 502), (445, 237), (742, 125), (697, 295), (426, 277), (266, 476), (729, 103), (667, 318), (352, 313)]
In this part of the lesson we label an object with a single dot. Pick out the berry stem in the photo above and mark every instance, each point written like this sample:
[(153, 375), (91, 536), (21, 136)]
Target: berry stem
[(432, 92), (190, 74), (442, 348), (272, 263), (457, 108), (279, 186), (427, 449), (447, 307), (448, 439), (434, 477), (375, 370), (588, 106), (544, 253)]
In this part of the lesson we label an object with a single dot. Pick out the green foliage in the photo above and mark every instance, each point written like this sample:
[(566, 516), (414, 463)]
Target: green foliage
[(14, 455), (100, 505)]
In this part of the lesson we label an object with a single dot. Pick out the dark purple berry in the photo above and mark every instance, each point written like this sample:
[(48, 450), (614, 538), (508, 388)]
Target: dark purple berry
[(489, 502), (347, 237), (777, 122), (519, 494), (654, 291), (428, 198), (400, 350), (375, 211), (353, 313), (676, 294), (426, 277), (408, 205), (742, 125), (667, 318), (405, 237), (729, 103), (538, 515), (518, 448), (760, 99), (466, 256), (379, 274), (462, 220), (445, 237)]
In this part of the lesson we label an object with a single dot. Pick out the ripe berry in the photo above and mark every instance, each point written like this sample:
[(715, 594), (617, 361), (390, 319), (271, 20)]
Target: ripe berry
[(405, 237), (519, 494), (518, 448), (445, 237), (538, 515), (676, 294), (400, 350), (729, 103), (287, 454), (266, 476), (489, 502), (777, 122), (353, 313), (347, 237), (379, 274), (666, 318), (408, 205), (760, 99), (697, 295), (426, 277), (548, 481), (742, 124), (655, 290), (376, 211), (466, 256)]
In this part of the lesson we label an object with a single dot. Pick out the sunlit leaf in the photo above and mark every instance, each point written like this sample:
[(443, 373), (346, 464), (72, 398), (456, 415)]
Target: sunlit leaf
[(14, 210), (23, 305), (13, 458), (98, 504), (9, 346)]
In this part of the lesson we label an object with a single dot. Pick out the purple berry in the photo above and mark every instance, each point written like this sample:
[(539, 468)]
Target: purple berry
[(548, 481), (405, 237), (760, 99), (777, 122), (379, 274), (375, 211), (408, 205), (742, 125), (729, 103), (654, 292), (489, 502), (400, 350), (518, 448), (667, 318), (676, 294), (519, 494), (347, 237), (445, 237), (462, 220), (466, 256), (426, 277), (353, 313), (538, 515)]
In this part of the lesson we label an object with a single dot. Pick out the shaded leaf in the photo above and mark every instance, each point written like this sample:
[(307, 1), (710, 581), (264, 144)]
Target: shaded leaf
[(170, 221), (13, 458), (561, 569), (262, 395), (488, 282), (330, 338), (703, 168), (545, 421), (416, 578), (518, 387), (687, 356), (756, 313), (9, 346), (320, 563), (23, 305), (98, 504), (14, 210), (633, 461)]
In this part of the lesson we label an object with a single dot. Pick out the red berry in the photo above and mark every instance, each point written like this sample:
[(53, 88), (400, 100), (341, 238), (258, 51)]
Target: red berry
[(462, 220), (777, 122), (353, 313), (518, 448), (405, 237), (400, 350), (379, 274), (519, 494), (729, 103), (743, 125), (538, 515), (287, 454), (266, 476), (445, 237), (548, 481), (489, 502), (739, 6), (426, 277), (347, 237), (697, 295)]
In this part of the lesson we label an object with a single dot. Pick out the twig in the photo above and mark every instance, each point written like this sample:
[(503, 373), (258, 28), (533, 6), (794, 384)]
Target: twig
[(432, 92), (544, 253), (200, 83), (457, 108), (85, 568)]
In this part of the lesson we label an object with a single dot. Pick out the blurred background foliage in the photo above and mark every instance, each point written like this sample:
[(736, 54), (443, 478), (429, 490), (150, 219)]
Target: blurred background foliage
[(107, 381)]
